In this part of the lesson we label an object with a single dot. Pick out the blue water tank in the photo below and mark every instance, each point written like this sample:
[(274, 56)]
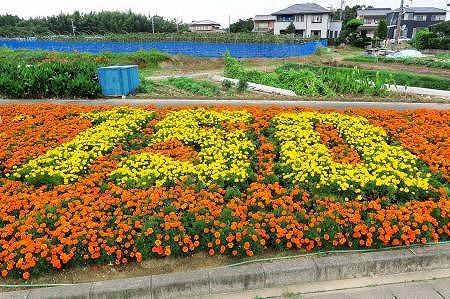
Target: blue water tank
[(118, 80)]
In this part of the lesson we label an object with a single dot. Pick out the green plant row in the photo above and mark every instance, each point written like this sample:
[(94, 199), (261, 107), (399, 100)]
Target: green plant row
[(203, 88), (309, 81), (49, 80), (142, 58), (242, 37), (443, 64), (390, 77)]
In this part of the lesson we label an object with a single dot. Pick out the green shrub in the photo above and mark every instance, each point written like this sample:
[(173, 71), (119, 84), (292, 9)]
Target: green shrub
[(227, 84), (142, 58), (49, 79), (147, 58), (305, 80), (434, 63), (146, 85), (242, 85), (194, 86), (304, 83), (389, 77)]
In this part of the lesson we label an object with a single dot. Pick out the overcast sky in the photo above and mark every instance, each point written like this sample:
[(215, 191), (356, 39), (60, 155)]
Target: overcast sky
[(187, 10)]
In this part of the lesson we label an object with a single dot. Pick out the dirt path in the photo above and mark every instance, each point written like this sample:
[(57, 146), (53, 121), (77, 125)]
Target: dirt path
[(396, 67)]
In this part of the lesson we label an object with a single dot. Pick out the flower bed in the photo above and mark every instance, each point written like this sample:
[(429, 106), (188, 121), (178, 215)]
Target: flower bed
[(95, 185)]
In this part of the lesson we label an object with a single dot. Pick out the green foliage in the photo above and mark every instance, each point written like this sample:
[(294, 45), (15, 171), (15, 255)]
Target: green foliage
[(351, 34), (443, 28), (242, 85), (310, 81), (142, 58), (194, 86), (389, 77), (147, 58), (146, 85), (422, 39), (240, 37), (233, 68), (343, 80), (49, 79), (242, 26), (86, 23), (227, 84), (348, 13), (438, 38), (382, 29), (354, 24), (304, 83), (429, 62), (290, 29)]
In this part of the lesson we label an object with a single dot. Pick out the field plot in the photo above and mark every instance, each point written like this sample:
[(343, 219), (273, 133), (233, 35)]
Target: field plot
[(95, 185)]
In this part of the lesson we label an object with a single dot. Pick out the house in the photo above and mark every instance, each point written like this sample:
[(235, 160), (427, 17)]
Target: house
[(413, 19), (205, 26), (309, 19), (264, 23), (371, 18)]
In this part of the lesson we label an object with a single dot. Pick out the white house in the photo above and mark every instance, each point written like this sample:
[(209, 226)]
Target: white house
[(371, 18), (309, 19), (205, 26)]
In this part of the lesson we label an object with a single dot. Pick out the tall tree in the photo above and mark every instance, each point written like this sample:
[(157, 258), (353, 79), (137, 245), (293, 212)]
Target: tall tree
[(87, 23), (242, 26), (382, 29), (290, 29)]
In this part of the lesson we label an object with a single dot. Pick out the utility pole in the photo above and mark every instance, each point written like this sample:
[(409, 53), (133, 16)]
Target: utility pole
[(399, 24), (342, 10), (73, 27), (153, 23), (229, 23)]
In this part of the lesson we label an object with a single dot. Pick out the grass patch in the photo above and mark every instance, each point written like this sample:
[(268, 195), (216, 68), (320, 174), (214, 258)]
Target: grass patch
[(196, 87), (309, 81), (441, 62), (144, 59), (399, 78)]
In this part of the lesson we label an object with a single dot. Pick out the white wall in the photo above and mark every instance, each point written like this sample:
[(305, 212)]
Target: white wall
[(307, 25)]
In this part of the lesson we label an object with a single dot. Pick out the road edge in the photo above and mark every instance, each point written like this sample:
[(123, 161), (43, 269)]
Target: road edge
[(259, 275)]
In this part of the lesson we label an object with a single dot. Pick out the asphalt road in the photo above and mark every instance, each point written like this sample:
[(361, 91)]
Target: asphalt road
[(262, 103)]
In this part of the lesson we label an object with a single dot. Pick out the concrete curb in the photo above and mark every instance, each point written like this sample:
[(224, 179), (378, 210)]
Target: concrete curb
[(255, 86), (255, 276), (236, 103), (419, 91)]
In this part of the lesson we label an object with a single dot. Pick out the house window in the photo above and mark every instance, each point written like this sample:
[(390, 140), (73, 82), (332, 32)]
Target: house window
[(316, 33), (420, 18), (408, 16), (300, 18), (317, 19), (435, 18), (285, 18), (263, 25)]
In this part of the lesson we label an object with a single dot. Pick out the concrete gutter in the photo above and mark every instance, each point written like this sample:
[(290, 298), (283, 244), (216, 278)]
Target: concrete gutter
[(419, 91), (236, 103), (255, 86), (193, 75), (256, 276)]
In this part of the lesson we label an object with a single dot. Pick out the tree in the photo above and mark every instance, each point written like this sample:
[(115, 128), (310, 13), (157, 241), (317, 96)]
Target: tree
[(290, 29), (242, 26), (443, 27), (422, 39), (352, 35), (382, 29), (87, 23)]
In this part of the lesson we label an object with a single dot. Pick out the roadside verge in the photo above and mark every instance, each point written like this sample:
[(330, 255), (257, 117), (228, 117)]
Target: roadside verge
[(255, 276)]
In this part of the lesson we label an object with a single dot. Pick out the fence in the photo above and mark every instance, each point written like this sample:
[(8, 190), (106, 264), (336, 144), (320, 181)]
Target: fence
[(199, 49)]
